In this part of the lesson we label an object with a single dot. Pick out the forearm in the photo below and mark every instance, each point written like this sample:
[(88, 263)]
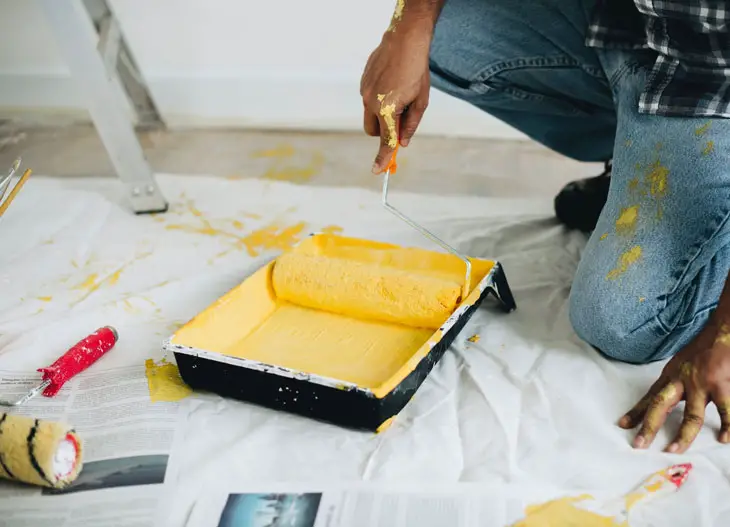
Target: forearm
[(421, 14)]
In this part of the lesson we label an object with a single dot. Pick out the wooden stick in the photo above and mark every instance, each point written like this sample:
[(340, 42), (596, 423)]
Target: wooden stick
[(15, 191)]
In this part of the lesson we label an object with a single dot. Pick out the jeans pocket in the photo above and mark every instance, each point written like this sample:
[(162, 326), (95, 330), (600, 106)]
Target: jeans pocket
[(543, 84)]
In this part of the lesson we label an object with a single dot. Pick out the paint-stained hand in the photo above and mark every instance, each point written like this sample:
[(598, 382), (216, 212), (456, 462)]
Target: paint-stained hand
[(395, 88), (698, 374)]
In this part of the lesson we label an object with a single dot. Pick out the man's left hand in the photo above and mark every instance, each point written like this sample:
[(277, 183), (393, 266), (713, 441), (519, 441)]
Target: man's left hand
[(698, 374)]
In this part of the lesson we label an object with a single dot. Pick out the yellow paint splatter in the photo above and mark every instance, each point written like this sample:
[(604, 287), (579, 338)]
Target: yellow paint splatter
[(282, 170), (723, 335), (397, 14), (603, 236), (45, 298), (626, 222), (625, 261), (252, 215), (702, 130), (563, 513), (627, 143), (387, 112), (709, 147), (331, 229), (237, 224), (278, 151), (634, 183), (656, 177), (642, 299), (474, 338), (164, 382), (48, 242), (128, 307), (658, 146), (273, 237)]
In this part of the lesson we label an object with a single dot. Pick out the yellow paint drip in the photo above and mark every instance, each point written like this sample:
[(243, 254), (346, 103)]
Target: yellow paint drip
[(387, 112), (702, 130), (626, 222), (164, 382), (397, 14), (626, 260), (656, 177)]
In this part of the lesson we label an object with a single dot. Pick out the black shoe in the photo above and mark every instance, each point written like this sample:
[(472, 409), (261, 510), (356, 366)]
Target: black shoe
[(579, 203)]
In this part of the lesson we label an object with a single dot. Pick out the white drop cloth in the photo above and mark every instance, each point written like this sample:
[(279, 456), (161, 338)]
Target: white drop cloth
[(527, 407)]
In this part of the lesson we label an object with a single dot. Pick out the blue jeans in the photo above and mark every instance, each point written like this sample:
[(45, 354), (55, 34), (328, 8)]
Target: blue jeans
[(653, 270)]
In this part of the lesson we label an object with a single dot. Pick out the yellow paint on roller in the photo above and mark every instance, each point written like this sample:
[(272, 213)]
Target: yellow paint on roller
[(387, 112), (625, 261), (364, 290), (252, 322), (38, 452), (164, 382)]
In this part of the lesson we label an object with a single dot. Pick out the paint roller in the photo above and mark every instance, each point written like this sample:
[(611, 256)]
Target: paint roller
[(370, 291), (47, 453), (38, 452)]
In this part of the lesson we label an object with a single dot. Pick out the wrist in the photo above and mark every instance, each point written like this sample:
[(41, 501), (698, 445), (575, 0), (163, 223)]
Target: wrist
[(415, 16)]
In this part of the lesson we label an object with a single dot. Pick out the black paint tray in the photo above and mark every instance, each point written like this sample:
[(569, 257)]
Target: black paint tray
[(250, 346)]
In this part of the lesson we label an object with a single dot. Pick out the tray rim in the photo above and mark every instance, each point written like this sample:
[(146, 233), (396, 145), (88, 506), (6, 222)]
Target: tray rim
[(484, 286)]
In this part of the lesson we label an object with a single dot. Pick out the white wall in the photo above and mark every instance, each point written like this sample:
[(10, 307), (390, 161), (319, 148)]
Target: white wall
[(270, 64)]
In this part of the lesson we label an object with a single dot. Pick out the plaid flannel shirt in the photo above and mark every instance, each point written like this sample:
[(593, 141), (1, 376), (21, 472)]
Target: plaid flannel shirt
[(691, 74)]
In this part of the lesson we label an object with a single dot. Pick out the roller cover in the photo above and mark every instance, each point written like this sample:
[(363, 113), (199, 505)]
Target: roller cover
[(364, 290), (37, 452)]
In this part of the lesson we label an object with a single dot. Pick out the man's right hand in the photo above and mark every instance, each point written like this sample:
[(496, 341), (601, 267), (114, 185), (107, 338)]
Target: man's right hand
[(395, 88)]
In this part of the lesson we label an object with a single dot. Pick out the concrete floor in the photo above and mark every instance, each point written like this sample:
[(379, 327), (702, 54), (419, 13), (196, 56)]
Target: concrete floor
[(429, 165)]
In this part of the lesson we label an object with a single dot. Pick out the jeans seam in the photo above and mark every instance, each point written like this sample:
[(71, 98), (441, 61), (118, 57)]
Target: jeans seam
[(536, 62)]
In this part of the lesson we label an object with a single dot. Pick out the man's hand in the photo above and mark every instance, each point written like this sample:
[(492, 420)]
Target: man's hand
[(698, 374), (395, 87)]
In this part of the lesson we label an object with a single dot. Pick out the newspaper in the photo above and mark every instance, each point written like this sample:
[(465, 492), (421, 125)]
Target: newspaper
[(362, 504), (127, 443)]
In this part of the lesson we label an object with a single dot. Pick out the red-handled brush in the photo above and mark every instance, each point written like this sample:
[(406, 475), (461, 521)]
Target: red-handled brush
[(85, 353)]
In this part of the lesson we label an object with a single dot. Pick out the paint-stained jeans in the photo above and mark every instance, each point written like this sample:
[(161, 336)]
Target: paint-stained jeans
[(655, 266)]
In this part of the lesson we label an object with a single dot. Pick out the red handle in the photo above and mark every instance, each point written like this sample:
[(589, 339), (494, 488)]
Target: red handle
[(77, 359)]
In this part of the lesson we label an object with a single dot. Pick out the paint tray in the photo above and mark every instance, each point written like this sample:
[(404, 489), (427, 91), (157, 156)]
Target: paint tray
[(250, 346)]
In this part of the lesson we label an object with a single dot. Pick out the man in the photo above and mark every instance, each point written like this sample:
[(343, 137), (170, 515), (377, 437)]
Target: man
[(642, 85)]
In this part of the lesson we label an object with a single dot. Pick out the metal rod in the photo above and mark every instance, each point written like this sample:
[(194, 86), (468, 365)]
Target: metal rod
[(428, 234), (28, 396), (5, 182)]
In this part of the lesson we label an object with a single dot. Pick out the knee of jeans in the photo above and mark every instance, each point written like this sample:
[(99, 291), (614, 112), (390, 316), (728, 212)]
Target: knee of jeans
[(611, 323)]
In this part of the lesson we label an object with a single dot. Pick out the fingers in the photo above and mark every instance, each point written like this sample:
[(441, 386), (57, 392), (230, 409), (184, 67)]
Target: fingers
[(370, 123), (694, 417), (633, 417), (388, 123), (659, 406), (412, 118), (722, 402)]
